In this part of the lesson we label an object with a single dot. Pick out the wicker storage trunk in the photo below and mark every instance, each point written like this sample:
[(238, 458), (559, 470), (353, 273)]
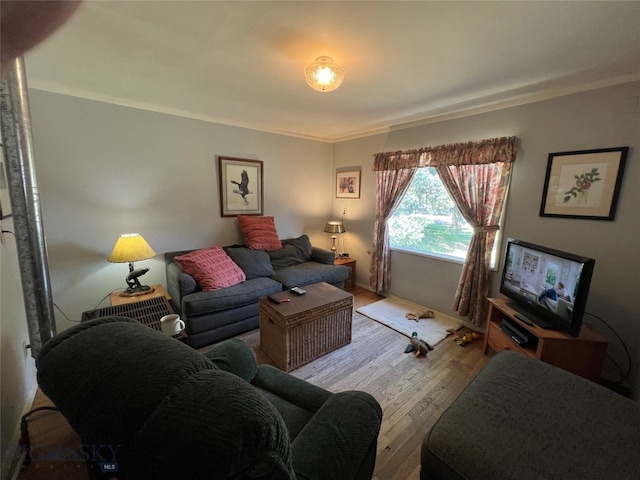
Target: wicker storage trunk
[(307, 327)]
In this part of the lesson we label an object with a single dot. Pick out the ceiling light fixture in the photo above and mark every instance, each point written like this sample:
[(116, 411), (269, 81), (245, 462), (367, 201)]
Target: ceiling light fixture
[(323, 75)]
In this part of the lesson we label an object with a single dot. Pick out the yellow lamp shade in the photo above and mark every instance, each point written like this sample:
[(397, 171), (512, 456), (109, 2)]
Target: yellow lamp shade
[(131, 247)]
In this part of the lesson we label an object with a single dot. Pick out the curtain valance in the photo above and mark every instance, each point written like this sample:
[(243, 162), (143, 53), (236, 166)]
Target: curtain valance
[(491, 150)]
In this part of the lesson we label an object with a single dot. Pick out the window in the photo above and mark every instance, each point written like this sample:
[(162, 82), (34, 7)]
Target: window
[(551, 277), (480, 170), (428, 221)]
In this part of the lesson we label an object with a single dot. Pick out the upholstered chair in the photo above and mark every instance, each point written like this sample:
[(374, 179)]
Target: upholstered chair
[(169, 412)]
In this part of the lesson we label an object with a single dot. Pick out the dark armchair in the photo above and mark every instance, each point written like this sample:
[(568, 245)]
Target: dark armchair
[(167, 411)]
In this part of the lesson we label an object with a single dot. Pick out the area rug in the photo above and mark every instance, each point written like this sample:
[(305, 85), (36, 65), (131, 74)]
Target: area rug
[(392, 311)]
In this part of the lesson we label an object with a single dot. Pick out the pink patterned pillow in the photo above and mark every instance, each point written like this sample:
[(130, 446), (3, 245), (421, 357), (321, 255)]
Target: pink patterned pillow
[(259, 233), (212, 268)]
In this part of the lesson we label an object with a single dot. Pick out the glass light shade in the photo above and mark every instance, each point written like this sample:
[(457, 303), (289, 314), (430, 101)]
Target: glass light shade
[(131, 247), (334, 227), (323, 75)]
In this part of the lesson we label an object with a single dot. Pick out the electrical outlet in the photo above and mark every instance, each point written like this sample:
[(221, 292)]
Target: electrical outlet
[(344, 211)]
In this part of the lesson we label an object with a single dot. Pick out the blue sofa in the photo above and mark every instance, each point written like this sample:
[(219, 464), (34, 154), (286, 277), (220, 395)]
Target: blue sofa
[(214, 316)]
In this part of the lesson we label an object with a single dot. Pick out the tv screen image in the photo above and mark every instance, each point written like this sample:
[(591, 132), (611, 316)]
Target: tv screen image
[(548, 286)]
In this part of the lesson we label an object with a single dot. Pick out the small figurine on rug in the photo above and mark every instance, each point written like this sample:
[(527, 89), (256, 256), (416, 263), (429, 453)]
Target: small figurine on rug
[(419, 346), (466, 338), (418, 315)]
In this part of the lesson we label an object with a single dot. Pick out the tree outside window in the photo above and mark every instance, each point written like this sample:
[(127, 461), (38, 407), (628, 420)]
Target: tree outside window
[(428, 221)]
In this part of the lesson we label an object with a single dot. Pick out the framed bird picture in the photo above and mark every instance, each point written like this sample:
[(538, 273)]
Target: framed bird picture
[(240, 186)]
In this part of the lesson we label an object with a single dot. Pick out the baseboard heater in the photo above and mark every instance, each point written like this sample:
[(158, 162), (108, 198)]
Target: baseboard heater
[(148, 312)]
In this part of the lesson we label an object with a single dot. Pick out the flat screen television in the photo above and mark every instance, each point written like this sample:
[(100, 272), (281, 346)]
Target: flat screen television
[(548, 286)]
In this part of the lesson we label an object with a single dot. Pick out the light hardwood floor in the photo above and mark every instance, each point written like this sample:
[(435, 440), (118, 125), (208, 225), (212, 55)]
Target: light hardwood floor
[(413, 392)]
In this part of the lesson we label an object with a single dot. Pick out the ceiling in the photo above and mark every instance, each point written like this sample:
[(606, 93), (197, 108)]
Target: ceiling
[(241, 63)]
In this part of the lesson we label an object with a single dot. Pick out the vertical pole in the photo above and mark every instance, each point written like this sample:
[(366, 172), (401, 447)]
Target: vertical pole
[(25, 205)]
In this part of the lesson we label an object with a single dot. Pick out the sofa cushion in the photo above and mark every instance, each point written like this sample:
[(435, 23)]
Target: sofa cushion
[(259, 232), (212, 268), (309, 273), (294, 252), (245, 293), (254, 263), (222, 319), (217, 334)]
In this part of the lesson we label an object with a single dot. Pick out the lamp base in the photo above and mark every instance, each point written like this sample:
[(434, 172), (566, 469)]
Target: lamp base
[(137, 291), (334, 249)]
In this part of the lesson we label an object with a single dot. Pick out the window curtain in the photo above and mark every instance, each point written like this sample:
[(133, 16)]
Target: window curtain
[(479, 191), (391, 187), (476, 174)]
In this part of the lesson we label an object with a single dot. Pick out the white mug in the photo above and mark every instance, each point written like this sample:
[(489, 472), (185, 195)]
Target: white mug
[(171, 324)]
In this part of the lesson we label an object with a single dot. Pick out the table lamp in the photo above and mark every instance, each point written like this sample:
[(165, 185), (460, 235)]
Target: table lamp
[(334, 227), (130, 248)]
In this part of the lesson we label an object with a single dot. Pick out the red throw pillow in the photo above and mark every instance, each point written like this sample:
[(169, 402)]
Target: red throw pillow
[(259, 233), (212, 268)]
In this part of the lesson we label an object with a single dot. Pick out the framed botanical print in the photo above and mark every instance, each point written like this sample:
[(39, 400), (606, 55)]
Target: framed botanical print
[(583, 184), (240, 186)]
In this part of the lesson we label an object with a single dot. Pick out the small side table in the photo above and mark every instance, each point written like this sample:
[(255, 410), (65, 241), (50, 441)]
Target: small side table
[(351, 263), (159, 291)]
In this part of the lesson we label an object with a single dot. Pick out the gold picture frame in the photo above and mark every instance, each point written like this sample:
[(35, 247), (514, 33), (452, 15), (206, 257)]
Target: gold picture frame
[(583, 184)]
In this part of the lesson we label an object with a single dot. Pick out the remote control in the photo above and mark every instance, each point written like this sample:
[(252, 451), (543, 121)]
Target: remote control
[(523, 318), (298, 291)]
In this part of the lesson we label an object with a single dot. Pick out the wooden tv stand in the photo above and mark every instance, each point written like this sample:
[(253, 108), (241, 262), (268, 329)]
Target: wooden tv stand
[(583, 355)]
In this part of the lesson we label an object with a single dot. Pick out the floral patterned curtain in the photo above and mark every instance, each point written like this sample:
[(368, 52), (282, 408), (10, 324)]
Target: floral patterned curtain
[(476, 174), (391, 187), (479, 191), (471, 153)]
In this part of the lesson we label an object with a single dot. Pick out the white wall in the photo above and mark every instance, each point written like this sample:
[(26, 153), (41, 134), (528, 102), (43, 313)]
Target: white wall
[(597, 119)]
